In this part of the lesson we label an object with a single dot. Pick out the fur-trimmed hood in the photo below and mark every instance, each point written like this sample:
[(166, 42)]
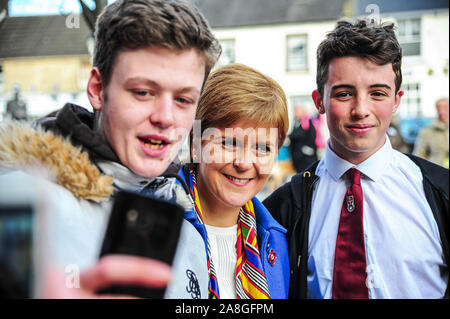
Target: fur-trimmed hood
[(30, 149)]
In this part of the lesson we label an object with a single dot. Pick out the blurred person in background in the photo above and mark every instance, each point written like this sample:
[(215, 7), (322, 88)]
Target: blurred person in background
[(433, 140), (396, 137), (302, 147), (16, 108), (322, 133)]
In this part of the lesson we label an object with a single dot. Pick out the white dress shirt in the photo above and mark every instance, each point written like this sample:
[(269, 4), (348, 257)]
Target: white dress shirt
[(403, 248)]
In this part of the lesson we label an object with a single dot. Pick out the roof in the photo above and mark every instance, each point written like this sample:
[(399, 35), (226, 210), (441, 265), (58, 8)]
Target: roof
[(43, 36), (238, 13)]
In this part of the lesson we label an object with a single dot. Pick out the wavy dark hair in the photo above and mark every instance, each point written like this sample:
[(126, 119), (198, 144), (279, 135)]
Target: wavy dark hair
[(375, 42)]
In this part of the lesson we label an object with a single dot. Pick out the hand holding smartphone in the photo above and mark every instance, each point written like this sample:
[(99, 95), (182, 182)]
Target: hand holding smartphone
[(142, 226)]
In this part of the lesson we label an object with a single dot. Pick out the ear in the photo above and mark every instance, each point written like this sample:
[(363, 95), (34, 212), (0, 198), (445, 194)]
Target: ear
[(95, 89), (318, 101), (398, 97)]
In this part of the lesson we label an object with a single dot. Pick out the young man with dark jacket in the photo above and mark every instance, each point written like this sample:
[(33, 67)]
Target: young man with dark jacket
[(366, 221)]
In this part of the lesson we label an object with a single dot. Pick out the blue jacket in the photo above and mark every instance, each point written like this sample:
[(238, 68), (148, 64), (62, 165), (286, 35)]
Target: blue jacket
[(272, 244)]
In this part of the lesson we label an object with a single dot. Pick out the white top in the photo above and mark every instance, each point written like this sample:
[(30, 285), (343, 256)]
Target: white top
[(224, 256), (403, 248)]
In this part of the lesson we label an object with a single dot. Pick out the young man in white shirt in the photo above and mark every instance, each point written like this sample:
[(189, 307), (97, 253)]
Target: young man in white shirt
[(383, 234)]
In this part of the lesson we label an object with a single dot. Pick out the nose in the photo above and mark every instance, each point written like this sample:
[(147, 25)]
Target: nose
[(163, 112), (360, 108), (243, 159)]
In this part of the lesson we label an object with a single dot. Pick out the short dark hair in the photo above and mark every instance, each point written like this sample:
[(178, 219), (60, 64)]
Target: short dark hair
[(375, 42), (136, 24)]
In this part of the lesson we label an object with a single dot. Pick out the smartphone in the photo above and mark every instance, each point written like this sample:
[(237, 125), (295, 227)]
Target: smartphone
[(16, 233), (142, 226), (18, 215)]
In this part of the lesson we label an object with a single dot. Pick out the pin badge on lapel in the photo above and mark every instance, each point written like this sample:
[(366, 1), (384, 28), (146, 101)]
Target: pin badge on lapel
[(350, 203), (272, 256)]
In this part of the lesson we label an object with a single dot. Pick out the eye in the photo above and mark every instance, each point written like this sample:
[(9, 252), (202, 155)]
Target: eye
[(378, 94), (263, 149), (183, 100), (343, 95), (142, 94), (229, 143)]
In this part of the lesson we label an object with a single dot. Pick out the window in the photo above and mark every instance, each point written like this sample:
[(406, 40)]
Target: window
[(409, 36), (227, 55), (411, 104), (296, 53)]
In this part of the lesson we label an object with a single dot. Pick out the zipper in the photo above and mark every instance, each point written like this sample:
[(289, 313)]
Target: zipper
[(308, 212)]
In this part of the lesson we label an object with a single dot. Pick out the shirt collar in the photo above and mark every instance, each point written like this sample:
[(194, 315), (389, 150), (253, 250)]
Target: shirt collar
[(373, 167)]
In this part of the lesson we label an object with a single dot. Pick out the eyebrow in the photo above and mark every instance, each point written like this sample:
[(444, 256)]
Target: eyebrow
[(380, 85), (155, 84), (342, 86), (235, 139), (348, 86)]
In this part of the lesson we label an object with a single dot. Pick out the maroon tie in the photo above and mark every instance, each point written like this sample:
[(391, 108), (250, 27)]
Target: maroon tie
[(349, 276)]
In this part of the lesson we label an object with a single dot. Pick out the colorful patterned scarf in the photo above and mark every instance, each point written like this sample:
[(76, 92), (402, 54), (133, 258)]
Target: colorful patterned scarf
[(251, 281)]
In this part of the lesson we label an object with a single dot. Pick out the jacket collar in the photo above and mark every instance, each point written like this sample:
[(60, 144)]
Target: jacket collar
[(264, 219), (77, 123), (36, 151)]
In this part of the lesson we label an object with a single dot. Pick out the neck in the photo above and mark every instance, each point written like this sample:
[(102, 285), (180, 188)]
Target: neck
[(214, 212)]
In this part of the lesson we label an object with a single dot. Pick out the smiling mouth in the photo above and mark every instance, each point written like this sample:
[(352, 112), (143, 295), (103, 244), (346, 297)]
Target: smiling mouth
[(360, 128), (241, 181), (152, 143)]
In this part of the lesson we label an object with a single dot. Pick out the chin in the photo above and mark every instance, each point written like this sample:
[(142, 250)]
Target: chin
[(239, 202), (150, 170)]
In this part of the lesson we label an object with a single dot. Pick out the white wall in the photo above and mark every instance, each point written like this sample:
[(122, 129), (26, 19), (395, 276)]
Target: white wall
[(435, 56)]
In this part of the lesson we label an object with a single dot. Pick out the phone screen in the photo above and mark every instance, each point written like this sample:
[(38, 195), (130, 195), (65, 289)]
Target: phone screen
[(16, 235), (142, 226)]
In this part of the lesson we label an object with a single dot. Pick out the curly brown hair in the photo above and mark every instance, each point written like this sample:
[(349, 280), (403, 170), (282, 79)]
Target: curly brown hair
[(374, 42)]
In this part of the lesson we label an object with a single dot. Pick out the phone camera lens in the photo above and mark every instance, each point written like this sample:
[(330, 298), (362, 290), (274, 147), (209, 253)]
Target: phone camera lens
[(132, 215)]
